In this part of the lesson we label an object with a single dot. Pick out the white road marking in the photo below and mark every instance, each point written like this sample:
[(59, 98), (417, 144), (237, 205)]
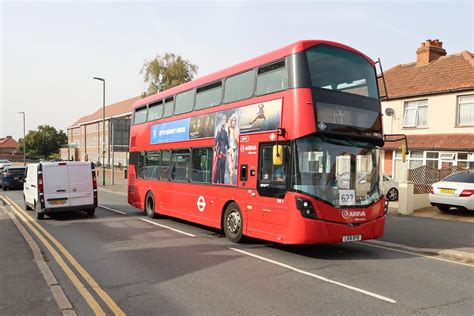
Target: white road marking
[(167, 227), (113, 210), (416, 254), (149, 221), (321, 278)]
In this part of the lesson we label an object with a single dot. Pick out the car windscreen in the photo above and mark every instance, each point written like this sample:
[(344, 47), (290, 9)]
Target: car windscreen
[(465, 177)]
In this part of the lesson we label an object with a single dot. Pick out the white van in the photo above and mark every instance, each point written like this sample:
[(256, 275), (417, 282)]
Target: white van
[(60, 186)]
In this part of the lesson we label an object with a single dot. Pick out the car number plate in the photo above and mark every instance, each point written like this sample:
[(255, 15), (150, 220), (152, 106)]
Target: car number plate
[(16, 178), (57, 202), (449, 191), (351, 238)]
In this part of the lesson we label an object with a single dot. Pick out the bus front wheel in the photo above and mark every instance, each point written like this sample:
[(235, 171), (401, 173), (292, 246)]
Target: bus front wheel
[(233, 223), (150, 205)]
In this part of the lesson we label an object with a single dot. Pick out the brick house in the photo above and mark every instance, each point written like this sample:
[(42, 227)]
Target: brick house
[(432, 102), (9, 149), (86, 134)]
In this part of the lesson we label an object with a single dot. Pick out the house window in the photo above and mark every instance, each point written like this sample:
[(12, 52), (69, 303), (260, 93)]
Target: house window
[(466, 110), (416, 114)]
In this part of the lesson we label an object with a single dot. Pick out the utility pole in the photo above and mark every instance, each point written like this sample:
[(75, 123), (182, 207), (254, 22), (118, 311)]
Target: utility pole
[(103, 129), (24, 143)]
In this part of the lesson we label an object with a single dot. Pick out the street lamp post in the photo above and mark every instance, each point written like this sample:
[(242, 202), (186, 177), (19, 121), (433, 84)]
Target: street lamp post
[(24, 143), (103, 129)]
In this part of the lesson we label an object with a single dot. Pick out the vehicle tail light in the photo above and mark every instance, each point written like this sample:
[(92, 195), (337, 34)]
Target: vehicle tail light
[(40, 183), (94, 185), (466, 193), (432, 190), (62, 164), (40, 186)]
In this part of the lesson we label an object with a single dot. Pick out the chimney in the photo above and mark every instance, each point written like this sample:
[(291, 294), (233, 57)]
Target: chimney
[(429, 51)]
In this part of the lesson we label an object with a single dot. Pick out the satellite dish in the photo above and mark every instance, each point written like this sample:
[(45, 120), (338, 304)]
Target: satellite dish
[(389, 111)]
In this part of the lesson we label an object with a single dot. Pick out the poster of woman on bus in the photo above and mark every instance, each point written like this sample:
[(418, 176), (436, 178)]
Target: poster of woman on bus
[(260, 117), (226, 147)]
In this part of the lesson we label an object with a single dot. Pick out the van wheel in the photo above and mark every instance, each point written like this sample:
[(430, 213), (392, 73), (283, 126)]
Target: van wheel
[(4, 188), (233, 223), (150, 205), (90, 212), (38, 214)]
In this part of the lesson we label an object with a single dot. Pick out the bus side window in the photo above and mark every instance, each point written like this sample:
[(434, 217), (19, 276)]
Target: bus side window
[(152, 163), (239, 87), (141, 165), (180, 165), (272, 78), (165, 164), (201, 165)]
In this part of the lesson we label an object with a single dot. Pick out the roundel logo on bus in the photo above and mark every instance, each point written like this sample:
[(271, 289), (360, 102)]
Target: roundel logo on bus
[(201, 203), (352, 214)]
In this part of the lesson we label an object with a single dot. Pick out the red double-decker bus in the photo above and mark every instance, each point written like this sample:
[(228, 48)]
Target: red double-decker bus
[(283, 147)]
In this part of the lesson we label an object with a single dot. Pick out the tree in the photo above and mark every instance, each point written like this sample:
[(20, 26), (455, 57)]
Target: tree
[(44, 142), (164, 72)]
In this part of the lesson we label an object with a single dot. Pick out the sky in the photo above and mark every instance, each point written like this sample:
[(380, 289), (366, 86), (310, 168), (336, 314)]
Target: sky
[(51, 50)]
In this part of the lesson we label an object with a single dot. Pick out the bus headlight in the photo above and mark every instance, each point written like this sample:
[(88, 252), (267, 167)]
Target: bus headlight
[(305, 207)]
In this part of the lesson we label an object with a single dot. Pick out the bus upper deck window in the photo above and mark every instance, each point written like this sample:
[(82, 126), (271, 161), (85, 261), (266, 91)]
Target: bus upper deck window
[(239, 87), (272, 78)]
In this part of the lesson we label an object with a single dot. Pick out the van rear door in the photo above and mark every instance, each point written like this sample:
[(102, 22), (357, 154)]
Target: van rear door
[(80, 184), (56, 185)]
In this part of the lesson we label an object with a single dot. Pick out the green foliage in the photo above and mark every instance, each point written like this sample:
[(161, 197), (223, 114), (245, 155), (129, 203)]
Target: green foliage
[(44, 142), (164, 72)]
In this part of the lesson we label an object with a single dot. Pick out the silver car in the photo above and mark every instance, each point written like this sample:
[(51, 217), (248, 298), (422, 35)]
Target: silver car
[(390, 188)]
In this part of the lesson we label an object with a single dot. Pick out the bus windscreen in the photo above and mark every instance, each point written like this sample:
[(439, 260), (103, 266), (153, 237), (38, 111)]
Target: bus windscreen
[(344, 91)]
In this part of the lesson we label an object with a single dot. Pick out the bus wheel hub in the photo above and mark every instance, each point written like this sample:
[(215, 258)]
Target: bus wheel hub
[(233, 222)]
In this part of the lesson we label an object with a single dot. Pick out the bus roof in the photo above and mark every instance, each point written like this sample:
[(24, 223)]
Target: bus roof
[(251, 63)]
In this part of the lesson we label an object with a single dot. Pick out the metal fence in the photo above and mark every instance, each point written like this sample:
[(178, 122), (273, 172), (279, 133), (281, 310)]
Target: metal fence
[(423, 177)]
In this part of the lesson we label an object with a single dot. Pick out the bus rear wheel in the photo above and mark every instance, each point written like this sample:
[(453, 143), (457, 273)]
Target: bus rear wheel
[(233, 223), (150, 205)]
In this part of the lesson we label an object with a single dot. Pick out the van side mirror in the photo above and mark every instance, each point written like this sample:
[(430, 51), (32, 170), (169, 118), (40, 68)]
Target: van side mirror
[(278, 155)]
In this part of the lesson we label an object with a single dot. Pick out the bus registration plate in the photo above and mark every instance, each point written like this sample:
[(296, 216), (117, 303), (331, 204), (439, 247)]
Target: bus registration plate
[(351, 238)]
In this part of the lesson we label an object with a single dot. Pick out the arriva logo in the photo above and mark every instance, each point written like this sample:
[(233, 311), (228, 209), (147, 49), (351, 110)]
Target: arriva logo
[(350, 214)]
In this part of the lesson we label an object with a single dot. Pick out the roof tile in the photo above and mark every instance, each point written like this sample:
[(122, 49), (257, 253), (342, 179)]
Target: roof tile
[(447, 73)]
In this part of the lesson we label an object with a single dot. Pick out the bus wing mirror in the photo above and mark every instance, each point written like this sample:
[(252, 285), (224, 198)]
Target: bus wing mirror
[(278, 155)]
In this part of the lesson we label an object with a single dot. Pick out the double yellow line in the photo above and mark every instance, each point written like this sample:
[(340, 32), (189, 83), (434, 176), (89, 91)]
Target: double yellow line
[(48, 241)]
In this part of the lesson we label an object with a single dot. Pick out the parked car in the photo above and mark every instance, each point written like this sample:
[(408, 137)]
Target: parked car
[(456, 190), (390, 188), (60, 186), (4, 163), (12, 177)]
